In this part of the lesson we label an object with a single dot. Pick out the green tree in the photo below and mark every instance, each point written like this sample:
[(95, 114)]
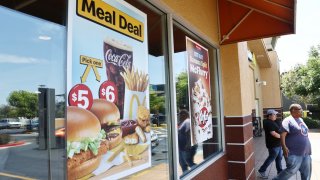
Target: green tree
[(25, 103), (60, 109), (182, 89), (157, 102), (303, 82), (7, 111), (314, 51)]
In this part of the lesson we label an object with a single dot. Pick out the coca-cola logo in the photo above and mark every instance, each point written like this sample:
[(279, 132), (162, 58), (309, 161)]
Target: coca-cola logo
[(122, 60)]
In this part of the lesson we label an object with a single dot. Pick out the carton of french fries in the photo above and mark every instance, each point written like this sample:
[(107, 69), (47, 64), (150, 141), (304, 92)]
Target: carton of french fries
[(136, 83)]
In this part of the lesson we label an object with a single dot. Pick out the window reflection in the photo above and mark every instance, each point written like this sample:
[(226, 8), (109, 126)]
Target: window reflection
[(192, 156), (32, 56)]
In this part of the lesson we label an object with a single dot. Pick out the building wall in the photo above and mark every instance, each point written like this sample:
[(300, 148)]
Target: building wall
[(215, 171), (258, 90), (246, 80), (231, 80), (202, 16), (238, 99), (271, 92), (238, 80)]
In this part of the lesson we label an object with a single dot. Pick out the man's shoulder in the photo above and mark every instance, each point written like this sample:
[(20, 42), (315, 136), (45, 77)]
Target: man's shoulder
[(186, 123), (268, 122), (287, 119)]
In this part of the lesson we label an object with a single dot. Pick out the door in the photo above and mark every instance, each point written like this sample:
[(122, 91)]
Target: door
[(32, 92)]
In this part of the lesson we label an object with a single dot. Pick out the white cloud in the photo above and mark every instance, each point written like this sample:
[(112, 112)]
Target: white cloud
[(7, 58)]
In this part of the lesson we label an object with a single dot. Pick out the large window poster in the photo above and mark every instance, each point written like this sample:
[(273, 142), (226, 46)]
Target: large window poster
[(108, 125), (199, 92)]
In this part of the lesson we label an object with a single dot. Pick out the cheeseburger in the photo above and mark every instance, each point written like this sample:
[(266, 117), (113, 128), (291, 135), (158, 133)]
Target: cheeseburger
[(109, 117), (85, 142)]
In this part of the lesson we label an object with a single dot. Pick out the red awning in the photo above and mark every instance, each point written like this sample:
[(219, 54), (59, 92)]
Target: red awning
[(243, 20)]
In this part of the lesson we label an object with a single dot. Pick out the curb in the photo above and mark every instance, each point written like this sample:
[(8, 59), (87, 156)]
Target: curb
[(18, 143)]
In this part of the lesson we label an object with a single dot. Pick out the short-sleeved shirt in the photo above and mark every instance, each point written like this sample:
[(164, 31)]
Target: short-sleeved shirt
[(184, 135), (269, 126), (297, 140)]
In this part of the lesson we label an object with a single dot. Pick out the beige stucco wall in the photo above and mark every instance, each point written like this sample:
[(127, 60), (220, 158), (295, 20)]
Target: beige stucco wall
[(201, 15), (246, 79), (271, 92), (258, 90), (237, 79), (231, 80)]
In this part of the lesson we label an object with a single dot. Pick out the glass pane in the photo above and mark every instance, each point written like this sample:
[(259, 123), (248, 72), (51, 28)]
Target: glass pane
[(191, 156), (158, 101), (32, 55)]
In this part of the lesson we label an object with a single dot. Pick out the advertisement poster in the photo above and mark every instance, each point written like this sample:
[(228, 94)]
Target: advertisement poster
[(108, 124), (199, 92)]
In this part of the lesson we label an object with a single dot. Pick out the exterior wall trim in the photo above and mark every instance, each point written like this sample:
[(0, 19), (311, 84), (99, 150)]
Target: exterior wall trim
[(221, 103), (239, 125), (174, 157), (240, 144), (238, 116), (242, 162), (252, 171)]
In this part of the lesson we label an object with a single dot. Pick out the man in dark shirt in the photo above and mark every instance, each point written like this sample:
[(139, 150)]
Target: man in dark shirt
[(272, 134), (186, 151)]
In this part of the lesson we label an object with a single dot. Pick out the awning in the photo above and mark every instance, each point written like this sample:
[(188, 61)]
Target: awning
[(243, 20)]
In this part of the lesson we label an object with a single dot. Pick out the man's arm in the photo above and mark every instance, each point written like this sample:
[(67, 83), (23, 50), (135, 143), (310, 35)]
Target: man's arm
[(275, 134), (283, 143)]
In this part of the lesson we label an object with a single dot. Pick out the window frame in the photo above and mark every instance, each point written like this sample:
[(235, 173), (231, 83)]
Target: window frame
[(217, 92), (216, 64)]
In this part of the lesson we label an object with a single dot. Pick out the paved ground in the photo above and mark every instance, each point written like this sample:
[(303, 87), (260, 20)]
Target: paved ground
[(261, 154)]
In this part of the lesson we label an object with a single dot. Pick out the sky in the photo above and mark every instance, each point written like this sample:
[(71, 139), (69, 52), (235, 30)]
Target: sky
[(293, 49), (27, 57)]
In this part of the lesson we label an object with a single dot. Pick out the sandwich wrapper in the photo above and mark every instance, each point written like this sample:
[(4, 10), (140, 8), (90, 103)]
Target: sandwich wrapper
[(132, 100), (118, 160), (105, 165)]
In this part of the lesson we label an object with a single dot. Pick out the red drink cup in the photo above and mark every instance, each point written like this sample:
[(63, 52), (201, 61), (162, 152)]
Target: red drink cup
[(117, 56)]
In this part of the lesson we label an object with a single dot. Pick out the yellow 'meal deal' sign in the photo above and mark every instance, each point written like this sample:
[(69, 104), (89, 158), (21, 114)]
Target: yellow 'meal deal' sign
[(106, 15)]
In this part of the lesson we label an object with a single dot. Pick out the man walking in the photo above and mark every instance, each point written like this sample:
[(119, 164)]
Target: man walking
[(186, 151), (296, 145), (272, 135)]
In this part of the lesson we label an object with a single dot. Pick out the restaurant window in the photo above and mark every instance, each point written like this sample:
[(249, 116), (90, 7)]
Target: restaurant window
[(157, 92), (197, 99), (32, 90), (33, 63)]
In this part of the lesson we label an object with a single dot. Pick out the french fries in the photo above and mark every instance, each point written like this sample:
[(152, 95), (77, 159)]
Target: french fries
[(135, 80), (128, 157)]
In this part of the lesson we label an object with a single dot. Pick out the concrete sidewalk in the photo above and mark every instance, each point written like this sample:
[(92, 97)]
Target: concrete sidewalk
[(261, 153)]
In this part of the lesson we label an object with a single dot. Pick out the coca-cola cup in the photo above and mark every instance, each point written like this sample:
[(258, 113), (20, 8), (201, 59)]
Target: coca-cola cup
[(117, 56)]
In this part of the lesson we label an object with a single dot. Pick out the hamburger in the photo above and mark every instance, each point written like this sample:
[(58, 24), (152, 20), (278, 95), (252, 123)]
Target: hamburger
[(85, 142), (109, 117)]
